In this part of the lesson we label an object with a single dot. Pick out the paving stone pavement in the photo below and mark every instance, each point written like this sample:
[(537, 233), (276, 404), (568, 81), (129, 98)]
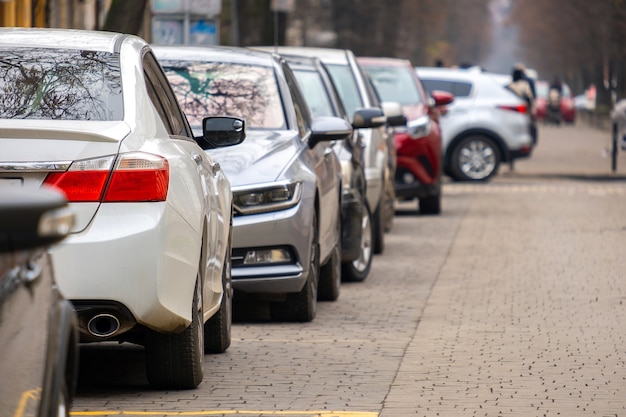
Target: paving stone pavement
[(528, 314), (512, 302)]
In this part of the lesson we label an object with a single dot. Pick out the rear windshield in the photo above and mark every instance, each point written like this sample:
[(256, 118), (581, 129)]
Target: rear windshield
[(395, 84), (60, 84), (458, 88), (217, 88)]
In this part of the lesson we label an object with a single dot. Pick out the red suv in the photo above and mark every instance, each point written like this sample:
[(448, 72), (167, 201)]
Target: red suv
[(418, 145)]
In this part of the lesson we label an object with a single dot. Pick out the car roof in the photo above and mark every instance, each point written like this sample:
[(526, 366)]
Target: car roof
[(63, 38), (327, 55), (449, 73), (232, 54), (462, 75), (387, 62)]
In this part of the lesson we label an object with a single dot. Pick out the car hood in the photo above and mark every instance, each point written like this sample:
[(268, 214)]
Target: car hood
[(263, 157)]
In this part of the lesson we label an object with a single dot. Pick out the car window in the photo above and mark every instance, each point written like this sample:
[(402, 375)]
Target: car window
[(219, 88), (60, 84), (301, 107), (314, 92), (346, 86), (457, 88), (395, 84), (175, 118)]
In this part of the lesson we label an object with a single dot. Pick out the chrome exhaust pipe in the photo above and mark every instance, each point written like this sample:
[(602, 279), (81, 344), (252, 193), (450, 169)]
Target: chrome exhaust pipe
[(103, 325)]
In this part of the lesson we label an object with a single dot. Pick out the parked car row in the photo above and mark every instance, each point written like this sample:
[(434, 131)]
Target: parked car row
[(199, 177)]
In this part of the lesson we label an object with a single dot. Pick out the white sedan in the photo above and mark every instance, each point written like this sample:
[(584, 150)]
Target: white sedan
[(148, 261)]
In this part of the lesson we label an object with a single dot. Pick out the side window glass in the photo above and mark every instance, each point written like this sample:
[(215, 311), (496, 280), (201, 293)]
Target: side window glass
[(176, 118), (154, 97), (301, 108)]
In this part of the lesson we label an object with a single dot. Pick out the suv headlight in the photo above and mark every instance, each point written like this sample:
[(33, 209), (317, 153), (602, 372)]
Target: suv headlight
[(263, 198)]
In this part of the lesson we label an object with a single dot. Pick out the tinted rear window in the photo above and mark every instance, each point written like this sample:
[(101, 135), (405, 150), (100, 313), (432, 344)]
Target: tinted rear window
[(459, 89), (60, 84)]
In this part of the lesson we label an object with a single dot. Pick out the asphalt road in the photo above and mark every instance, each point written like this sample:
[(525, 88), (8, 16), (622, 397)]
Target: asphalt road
[(512, 302)]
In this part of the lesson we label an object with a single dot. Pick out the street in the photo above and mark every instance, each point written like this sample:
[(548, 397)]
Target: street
[(512, 302)]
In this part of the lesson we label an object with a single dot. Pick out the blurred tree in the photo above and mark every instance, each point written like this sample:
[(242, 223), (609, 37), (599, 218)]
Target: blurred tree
[(579, 41), (125, 16), (252, 22)]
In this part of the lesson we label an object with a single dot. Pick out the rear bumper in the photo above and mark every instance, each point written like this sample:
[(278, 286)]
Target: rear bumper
[(407, 186), (145, 260)]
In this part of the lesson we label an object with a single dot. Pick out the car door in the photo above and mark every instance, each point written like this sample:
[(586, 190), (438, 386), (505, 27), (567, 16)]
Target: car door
[(192, 173), (327, 169)]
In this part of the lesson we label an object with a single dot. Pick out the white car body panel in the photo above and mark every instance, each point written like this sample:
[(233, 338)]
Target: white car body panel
[(145, 256)]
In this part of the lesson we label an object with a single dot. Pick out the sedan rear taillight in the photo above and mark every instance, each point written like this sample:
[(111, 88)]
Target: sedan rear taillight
[(518, 108), (135, 177)]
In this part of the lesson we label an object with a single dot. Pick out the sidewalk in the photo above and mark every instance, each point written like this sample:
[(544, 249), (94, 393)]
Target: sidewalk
[(528, 314)]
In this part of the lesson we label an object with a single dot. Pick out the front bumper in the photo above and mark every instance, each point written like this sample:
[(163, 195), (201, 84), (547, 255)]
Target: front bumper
[(285, 229)]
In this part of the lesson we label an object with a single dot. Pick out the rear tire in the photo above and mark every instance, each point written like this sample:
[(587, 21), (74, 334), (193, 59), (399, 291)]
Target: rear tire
[(378, 226), (430, 204), (330, 277), (359, 269), (389, 203), (218, 329), (176, 361)]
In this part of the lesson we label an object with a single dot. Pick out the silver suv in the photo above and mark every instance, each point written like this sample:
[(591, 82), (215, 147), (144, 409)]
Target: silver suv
[(485, 126)]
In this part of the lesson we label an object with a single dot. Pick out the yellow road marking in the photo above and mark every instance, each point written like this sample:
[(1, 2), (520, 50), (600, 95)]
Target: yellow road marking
[(228, 412), (26, 395)]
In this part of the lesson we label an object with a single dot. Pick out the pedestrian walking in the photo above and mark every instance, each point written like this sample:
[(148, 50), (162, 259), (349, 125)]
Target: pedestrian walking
[(522, 88)]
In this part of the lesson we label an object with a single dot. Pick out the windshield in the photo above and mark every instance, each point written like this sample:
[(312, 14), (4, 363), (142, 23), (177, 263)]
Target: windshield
[(60, 84), (346, 87), (312, 86), (215, 88), (395, 84)]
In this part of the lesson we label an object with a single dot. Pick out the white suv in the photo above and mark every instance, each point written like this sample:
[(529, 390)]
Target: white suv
[(485, 126)]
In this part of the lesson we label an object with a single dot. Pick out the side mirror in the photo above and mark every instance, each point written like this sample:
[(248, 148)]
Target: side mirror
[(442, 98), (328, 129), (393, 111), (368, 117), (33, 218), (222, 131)]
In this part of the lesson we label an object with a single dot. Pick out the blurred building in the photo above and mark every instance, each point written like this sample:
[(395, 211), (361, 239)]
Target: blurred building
[(75, 14), (170, 22)]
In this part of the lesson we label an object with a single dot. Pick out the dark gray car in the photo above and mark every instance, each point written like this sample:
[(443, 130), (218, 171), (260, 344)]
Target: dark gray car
[(38, 327), (323, 99), (285, 177)]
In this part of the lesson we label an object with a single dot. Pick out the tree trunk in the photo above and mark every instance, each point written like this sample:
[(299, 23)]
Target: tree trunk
[(125, 16)]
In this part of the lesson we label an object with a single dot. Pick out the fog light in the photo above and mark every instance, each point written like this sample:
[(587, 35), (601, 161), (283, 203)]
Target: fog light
[(408, 178), (266, 256)]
